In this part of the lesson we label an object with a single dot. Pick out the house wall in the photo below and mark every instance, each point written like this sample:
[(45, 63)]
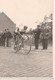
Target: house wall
[(5, 22)]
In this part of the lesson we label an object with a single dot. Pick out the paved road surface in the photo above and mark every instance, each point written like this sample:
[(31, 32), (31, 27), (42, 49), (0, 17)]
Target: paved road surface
[(37, 64)]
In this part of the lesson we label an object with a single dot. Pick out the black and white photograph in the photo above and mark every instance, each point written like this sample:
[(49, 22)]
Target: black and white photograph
[(26, 38)]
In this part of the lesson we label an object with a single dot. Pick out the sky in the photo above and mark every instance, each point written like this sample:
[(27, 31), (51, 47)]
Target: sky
[(26, 12)]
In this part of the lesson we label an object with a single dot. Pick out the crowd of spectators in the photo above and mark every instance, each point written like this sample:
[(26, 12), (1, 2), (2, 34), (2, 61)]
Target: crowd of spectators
[(5, 36)]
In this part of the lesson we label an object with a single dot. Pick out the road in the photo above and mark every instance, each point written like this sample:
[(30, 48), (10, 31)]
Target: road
[(38, 63)]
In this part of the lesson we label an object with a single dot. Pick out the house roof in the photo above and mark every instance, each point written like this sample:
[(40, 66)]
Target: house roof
[(3, 14)]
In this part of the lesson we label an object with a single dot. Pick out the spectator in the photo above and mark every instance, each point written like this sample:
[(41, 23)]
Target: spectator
[(1, 33), (45, 36), (36, 36), (8, 37), (4, 37)]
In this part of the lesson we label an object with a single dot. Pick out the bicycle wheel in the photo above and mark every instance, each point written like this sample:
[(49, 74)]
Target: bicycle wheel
[(22, 46), (26, 47), (15, 46)]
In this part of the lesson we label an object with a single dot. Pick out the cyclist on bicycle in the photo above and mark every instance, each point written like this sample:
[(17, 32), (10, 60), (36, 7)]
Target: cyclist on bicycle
[(20, 41), (17, 38)]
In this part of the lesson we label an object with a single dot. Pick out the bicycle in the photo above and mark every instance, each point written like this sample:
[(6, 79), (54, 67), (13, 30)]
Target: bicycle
[(22, 44)]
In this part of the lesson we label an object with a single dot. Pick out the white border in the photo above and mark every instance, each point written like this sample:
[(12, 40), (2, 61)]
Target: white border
[(40, 78)]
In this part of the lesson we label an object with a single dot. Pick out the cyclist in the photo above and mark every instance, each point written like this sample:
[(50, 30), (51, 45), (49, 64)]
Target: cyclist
[(17, 38), (23, 33), (21, 41)]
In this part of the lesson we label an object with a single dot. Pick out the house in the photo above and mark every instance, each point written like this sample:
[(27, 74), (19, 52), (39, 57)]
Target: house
[(6, 23)]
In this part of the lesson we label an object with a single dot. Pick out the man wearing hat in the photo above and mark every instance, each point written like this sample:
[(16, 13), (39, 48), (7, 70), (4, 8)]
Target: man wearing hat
[(36, 36), (45, 36)]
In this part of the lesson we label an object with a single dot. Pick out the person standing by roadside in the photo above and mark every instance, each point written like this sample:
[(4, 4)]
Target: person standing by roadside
[(4, 37), (45, 34), (1, 38), (8, 37), (36, 36)]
